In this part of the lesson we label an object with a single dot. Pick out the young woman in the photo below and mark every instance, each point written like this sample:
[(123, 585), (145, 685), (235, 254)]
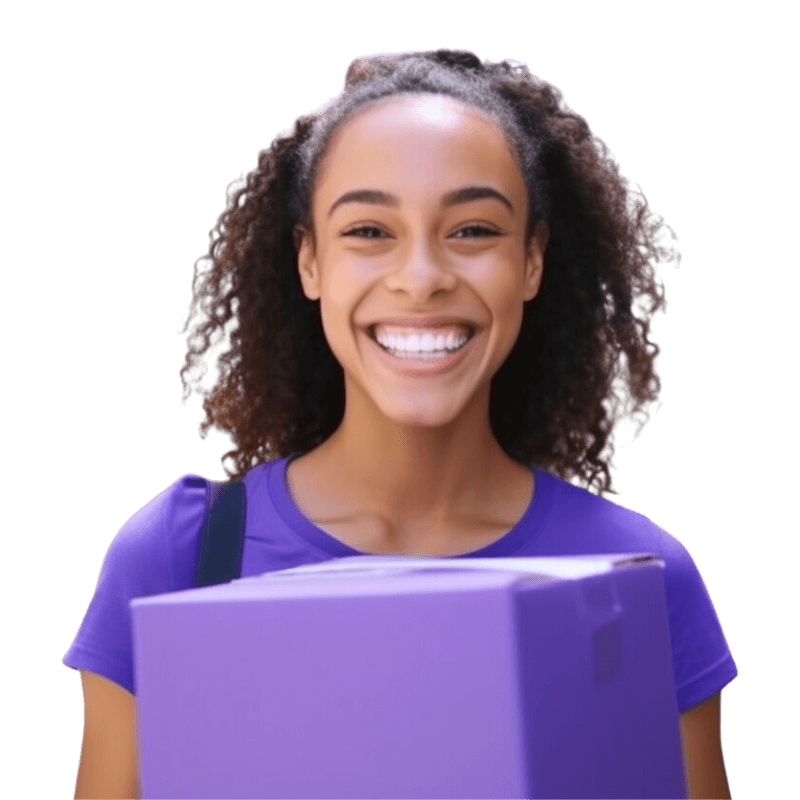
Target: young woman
[(433, 280)]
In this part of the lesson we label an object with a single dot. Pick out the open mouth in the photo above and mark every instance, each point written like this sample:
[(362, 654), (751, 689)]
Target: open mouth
[(423, 355)]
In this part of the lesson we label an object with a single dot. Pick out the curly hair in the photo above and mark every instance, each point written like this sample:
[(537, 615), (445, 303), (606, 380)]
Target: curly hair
[(281, 390)]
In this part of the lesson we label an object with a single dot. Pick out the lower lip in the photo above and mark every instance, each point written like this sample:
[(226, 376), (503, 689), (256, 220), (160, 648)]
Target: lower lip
[(416, 368)]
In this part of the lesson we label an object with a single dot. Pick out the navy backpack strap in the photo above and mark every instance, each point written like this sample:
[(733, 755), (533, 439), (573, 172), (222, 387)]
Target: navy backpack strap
[(220, 559)]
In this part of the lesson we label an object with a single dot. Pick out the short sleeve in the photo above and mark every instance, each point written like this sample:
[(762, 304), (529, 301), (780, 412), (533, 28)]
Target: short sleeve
[(154, 552), (703, 663)]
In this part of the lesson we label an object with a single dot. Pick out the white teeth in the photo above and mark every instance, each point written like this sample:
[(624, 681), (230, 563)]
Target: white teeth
[(427, 343)]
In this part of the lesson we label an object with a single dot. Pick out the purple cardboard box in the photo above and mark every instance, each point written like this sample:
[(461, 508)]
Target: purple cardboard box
[(404, 677)]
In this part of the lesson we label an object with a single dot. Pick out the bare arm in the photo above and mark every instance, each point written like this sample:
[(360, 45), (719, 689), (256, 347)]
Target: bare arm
[(702, 751), (108, 766)]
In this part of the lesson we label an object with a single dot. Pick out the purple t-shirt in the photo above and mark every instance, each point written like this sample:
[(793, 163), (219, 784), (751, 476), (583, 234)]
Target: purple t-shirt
[(156, 552)]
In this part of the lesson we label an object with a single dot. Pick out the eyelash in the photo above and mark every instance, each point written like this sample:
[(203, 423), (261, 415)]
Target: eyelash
[(487, 231)]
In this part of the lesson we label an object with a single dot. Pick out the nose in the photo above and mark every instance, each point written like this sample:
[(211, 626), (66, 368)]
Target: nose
[(421, 275)]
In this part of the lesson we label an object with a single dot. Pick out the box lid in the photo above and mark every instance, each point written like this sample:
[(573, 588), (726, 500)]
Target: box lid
[(564, 567), (365, 574)]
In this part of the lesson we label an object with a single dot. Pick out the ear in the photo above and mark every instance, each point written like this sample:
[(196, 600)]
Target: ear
[(307, 263), (534, 263)]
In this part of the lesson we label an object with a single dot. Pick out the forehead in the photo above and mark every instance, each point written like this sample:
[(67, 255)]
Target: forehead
[(420, 112), (418, 138)]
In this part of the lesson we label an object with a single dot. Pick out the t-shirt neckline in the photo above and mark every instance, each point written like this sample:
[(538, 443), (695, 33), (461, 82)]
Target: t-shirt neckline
[(506, 546)]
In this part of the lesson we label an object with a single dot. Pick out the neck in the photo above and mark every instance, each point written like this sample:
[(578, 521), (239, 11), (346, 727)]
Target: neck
[(417, 472)]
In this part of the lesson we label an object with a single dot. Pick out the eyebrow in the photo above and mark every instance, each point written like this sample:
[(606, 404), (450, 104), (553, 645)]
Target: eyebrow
[(465, 194)]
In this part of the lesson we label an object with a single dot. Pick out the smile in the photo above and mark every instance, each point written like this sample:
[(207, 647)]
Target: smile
[(425, 345), (422, 363)]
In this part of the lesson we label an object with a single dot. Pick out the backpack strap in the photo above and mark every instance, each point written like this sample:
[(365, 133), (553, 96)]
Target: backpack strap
[(220, 559)]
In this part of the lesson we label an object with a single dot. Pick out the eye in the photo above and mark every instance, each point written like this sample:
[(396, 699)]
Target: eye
[(468, 232), (478, 232), (365, 232)]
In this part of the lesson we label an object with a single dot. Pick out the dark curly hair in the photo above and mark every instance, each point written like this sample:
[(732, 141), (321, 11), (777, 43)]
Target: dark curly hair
[(281, 390)]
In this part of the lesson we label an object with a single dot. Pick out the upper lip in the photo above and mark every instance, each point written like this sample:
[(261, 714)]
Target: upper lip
[(422, 322)]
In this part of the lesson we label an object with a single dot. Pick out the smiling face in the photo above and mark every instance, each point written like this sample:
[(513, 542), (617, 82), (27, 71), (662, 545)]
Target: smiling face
[(417, 256)]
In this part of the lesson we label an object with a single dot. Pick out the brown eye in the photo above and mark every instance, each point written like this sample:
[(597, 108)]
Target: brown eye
[(482, 228), (477, 232), (365, 232)]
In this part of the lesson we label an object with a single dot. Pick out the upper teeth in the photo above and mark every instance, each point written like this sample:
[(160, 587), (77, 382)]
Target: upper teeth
[(423, 340)]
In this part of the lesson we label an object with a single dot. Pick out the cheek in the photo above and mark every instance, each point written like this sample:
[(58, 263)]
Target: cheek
[(338, 292), (503, 293), (506, 309), (339, 299), (340, 288)]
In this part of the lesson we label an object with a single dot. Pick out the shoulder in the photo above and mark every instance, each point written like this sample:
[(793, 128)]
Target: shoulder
[(581, 522), (153, 553), (591, 523), (159, 539)]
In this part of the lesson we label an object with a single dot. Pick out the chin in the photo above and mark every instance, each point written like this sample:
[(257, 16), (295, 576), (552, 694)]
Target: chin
[(425, 415)]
